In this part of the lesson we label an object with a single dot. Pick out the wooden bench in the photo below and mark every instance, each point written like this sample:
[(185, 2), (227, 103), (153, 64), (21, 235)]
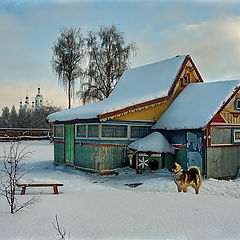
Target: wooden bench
[(54, 185)]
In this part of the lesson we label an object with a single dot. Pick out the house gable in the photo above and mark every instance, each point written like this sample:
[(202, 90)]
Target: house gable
[(152, 110), (198, 105), (231, 112)]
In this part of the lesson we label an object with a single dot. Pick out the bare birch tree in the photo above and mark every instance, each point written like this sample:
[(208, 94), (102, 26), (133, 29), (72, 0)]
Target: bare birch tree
[(12, 171), (108, 57), (67, 59)]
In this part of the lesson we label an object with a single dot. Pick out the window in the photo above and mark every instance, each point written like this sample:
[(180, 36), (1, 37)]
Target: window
[(93, 130), (236, 136), (185, 80), (81, 130), (58, 131), (139, 131), (114, 131), (237, 104), (221, 136)]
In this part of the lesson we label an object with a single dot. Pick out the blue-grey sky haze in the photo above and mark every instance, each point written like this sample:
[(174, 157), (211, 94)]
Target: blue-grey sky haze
[(207, 30)]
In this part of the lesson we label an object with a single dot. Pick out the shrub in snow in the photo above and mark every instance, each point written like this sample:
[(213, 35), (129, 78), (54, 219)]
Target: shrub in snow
[(12, 171), (60, 230)]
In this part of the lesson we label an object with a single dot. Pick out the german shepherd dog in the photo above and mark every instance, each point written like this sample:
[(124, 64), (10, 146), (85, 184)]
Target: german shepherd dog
[(184, 178)]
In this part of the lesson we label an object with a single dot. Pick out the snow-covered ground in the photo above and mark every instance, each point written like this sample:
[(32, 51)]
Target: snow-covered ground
[(96, 207)]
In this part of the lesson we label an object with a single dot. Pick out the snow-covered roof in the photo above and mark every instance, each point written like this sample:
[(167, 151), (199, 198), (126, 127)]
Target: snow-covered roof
[(196, 105), (136, 86), (154, 142)]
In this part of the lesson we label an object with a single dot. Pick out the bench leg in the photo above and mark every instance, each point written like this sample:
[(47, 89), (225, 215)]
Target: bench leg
[(55, 189), (23, 190)]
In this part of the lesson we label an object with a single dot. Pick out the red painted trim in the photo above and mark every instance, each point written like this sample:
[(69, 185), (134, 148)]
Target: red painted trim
[(225, 126), (196, 70), (204, 138), (180, 145), (68, 123), (188, 58), (58, 141), (217, 118), (209, 137), (225, 145), (102, 144)]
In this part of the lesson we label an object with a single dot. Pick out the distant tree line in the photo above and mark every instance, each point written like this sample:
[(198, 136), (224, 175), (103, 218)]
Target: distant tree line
[(26, 119)]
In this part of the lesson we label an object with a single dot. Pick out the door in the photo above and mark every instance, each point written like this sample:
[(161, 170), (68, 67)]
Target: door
[(194, 149), (69, 144)]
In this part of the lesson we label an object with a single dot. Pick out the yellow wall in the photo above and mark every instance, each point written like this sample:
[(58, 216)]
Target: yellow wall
[(229, 114), (231, 107), (154, 112)]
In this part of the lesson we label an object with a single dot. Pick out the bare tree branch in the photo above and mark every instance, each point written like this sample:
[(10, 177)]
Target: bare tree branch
[(108, 57), (60, 230), (11, 173)]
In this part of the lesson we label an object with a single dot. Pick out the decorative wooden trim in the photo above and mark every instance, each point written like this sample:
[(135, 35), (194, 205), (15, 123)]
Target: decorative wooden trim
[(133, 108), (235, 114)]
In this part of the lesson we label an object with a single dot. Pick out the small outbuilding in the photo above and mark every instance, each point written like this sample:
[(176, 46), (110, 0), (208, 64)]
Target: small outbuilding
[(150, 153), (203, 122)]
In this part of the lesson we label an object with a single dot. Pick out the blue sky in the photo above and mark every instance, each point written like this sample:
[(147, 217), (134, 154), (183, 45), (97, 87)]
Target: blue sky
[(207, 30)]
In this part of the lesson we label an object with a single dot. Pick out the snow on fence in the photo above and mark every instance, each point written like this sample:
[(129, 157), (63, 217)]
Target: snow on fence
[(15, 134)]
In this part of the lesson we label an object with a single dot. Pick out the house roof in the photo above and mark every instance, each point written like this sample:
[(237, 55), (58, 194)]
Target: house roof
[(196, 105), (154, 142), (138, 87)]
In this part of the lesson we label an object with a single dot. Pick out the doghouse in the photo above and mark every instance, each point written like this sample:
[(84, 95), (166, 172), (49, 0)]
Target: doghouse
[(150, 153)]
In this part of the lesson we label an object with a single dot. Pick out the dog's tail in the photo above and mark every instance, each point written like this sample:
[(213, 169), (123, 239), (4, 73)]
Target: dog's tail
[(198, 172)]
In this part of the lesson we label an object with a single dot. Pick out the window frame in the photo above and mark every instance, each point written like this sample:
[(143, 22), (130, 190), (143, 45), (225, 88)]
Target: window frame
[(78, 137), (87, 124), (213, 144), (236, 104), (100, 137), (58, 125), (235, 130), (91, 124), (115, 138), (137, 125)]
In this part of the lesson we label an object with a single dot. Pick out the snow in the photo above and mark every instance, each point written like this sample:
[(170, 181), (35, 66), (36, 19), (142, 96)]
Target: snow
[(196, 105), (154, 142), (90, 206), (136, 85)]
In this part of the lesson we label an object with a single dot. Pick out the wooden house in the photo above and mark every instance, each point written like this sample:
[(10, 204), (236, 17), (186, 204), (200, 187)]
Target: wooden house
[(94, 137), (203, 122)]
